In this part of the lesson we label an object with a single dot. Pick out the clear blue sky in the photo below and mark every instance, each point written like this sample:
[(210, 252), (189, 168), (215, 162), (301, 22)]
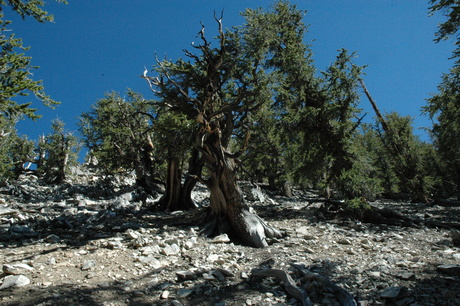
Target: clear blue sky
[(98, 46)]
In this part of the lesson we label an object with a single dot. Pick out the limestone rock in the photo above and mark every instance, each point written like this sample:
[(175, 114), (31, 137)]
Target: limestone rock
[(221, 239), (16, 269), (172, 249), (14, 281), (88, 265)]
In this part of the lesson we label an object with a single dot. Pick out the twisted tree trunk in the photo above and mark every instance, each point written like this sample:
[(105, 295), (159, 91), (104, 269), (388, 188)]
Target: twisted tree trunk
[(229, 213)]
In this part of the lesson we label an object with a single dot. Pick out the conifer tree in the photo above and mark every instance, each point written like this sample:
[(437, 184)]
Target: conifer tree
[(118, 133), (444, 109), (16, 82), (58, 154)]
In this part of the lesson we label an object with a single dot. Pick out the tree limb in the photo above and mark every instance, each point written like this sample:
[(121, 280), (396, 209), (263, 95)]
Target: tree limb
[(288, 283)]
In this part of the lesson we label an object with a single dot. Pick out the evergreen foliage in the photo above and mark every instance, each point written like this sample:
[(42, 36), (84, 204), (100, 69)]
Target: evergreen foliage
[(450, 27), (118, 131), (16, 153), (58, 153), (16, 82), (15, 66), (444, 109)]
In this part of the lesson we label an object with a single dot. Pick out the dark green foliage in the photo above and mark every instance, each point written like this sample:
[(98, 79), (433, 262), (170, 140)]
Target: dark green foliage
[(405, 156), (369, 170), (444, 108), (120, 135), (15, 154), (15, 66), (16, 83), (304, 134), (319, 123), (117, 132), (58, 153), (450, 27)]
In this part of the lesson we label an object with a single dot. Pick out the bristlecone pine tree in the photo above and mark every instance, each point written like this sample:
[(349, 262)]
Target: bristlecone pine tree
[(219, 88), (57, 154), (16, 81), (118, 133)]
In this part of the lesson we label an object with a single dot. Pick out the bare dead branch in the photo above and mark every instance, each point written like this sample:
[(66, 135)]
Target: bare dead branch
[(181, 90), (288, 283), (344, 296)]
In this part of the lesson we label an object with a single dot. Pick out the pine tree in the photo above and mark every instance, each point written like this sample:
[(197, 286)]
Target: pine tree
[(58, 154), (444, 108)]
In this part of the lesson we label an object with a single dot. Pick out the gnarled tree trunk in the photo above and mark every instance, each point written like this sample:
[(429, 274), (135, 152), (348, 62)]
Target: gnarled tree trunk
[(229, 213)]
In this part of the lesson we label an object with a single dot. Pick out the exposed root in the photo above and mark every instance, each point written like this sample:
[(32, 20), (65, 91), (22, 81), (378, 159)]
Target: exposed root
[(298, 292), (258, 231), (246, 228)]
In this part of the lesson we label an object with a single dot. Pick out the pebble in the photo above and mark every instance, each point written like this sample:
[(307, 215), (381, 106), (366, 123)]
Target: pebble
[(183, 293), (221, 239), (172, 249), (186, 275), (165, 294), (88, 265), (392, 292), (344, 241), (406, 276)]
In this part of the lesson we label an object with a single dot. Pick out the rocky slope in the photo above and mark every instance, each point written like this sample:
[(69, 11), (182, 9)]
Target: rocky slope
[(86, 245)]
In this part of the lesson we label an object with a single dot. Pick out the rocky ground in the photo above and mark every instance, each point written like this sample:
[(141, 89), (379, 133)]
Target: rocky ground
[(83, 245)]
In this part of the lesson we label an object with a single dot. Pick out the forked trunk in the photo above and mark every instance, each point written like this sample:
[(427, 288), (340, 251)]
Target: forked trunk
[(195, 167), (178, 196)]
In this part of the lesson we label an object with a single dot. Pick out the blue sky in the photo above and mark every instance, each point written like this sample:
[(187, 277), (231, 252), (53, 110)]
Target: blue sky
[(94, 47)]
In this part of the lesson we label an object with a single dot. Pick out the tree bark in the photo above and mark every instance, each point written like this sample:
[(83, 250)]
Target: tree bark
[(170, 200), (195, 167), (145, 173), (229, 213), (178, 196)]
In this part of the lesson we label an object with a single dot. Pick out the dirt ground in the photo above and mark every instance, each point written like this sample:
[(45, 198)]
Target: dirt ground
[(78, 249)]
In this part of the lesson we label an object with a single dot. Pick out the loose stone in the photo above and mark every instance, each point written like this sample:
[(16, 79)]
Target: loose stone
[(14, 281)]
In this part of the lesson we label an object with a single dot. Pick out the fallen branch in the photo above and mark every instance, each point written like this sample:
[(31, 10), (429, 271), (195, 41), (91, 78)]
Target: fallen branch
[(341, 294), (288, 283)]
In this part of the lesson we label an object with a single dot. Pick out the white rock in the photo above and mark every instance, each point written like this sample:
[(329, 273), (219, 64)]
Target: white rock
[(16, 269), (87, 265), (221, 239), (165, 294), (212, 257), (190, 243), (172, 249), (151, 249), (375, 274), (132, 234), (14, 281)]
